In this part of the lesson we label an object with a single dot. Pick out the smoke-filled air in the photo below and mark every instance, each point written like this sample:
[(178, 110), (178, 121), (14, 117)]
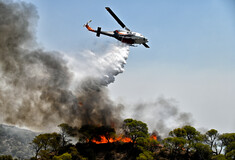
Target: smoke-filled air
[(40, 89)]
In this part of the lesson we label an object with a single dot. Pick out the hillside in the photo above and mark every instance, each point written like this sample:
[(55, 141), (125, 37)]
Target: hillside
[(16, 142)]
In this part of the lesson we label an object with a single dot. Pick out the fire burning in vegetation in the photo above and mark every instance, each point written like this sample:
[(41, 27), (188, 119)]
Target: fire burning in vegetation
[(154, 137), (103, 140)]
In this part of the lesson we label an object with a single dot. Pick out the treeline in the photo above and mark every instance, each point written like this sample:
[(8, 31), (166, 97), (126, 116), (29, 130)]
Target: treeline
[(102, 142)]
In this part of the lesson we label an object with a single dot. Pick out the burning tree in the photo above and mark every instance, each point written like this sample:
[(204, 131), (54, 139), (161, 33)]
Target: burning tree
[(91, 133), (107, 132), (102, 134)]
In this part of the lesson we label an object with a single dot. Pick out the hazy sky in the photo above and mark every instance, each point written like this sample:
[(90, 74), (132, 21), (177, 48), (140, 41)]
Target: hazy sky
[(191, 56)]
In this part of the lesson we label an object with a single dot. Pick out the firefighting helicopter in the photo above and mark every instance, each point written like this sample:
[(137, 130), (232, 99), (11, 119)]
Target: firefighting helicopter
[(125, 36)]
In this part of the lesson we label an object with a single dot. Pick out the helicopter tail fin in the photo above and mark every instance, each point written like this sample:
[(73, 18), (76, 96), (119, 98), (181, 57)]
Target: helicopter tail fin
[(88, 27)]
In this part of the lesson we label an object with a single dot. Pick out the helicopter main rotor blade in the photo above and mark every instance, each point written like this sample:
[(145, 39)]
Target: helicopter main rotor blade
[(116, 18), (146, 45)]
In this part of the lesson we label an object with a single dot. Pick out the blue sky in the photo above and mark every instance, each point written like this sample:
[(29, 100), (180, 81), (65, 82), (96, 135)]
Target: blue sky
[(191, 56)]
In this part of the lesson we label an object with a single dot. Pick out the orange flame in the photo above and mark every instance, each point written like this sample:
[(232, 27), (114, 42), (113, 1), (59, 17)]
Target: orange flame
[(112, 140), (154, 137)]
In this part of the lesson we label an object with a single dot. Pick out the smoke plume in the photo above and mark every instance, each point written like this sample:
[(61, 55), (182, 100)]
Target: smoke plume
[(40, 89), (162, 115)]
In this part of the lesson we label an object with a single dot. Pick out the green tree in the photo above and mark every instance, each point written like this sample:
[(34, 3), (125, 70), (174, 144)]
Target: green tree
[(230, 147), (178, 132), (146, 155), (37, 145), (192, 134), (183, 139), (212, 138), (135, 129), (147, 144), (6, 157), (75, 154), (55, 142), (175, 145), (219, 157), (227, 141), (45, 138), (202, 151), (230, 155), (44, 155), (65, 156), (189, 134), (48, 142)]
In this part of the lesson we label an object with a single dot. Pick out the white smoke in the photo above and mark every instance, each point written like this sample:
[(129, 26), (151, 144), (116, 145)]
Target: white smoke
[(162, 115)]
